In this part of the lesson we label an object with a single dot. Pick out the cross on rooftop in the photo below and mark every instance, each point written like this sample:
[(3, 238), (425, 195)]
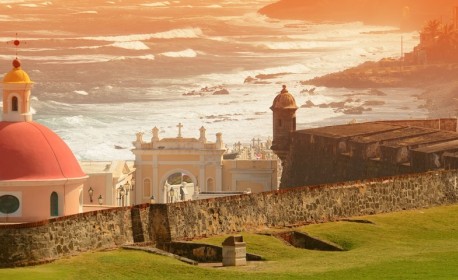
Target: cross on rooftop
[(180, 126)]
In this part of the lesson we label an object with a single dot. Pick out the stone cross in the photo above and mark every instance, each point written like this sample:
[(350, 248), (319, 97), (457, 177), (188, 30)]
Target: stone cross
[(180, 126), (254, 142)]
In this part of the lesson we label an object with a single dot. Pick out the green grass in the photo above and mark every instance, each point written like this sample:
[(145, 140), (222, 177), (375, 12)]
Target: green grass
[(421, 244)]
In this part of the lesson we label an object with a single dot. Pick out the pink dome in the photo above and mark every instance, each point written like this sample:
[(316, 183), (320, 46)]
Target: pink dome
[(31, 151)]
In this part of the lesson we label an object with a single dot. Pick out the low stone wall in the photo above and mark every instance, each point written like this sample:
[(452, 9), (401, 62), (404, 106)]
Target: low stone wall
[(25, 244), (33, 243), (203, 253), (298, 206)]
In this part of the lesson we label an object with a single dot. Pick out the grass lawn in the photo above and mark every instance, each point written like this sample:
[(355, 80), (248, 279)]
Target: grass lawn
[(420, 244)]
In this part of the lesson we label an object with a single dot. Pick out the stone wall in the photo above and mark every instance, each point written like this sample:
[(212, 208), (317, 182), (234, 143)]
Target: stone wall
[(447, 124), (304, 205), (24, 244), (317, 160), (328, 155), (32, 243)]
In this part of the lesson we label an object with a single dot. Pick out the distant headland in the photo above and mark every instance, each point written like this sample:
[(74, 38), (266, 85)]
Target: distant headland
[(408, 14), (431, 66)]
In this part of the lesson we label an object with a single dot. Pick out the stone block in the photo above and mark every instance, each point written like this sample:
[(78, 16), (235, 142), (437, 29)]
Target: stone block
[(234, 251)]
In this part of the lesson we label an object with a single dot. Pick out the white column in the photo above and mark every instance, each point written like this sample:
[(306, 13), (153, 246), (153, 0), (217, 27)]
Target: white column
[(138, 183), (156, 189), (219, 177), (202, 179)]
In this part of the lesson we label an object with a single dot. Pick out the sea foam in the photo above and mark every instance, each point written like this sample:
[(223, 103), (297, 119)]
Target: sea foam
[(156, 4), (185, 53), (132, 45), (170, 34)]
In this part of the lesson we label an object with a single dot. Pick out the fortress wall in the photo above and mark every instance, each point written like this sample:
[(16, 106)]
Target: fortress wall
[(32, 243), (448, 124), (321, 162), (25, 244), (304, 205)]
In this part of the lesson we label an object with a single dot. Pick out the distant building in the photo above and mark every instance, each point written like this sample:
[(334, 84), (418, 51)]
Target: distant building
[(178, 169), (40, 177), (361, 150), (110, 184)]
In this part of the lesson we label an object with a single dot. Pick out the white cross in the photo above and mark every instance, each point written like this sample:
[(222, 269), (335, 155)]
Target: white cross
[(179, 129)]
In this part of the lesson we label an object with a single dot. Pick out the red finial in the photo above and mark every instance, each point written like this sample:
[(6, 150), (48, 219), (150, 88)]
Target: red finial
[(16, 43), (16, 63)]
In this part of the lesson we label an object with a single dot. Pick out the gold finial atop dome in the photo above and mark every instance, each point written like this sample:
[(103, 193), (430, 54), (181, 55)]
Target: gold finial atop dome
[(284, 100), (284, 90)]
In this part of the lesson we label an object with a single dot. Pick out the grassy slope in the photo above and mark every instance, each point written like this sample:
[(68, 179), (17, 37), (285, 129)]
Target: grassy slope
[(407, 245)]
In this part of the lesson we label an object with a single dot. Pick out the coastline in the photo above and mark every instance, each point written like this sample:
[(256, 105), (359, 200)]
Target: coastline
[(436, 81)]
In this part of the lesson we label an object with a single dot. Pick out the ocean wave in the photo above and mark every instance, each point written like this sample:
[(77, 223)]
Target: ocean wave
[(29, 5), (185, 53), (5, 18), (58, 104), (144, 57), (80, 59), (86, 12), (302, 45), (251, 19), (81, 92), (182, 33), (156, 4), (240, 75), (131, 45)]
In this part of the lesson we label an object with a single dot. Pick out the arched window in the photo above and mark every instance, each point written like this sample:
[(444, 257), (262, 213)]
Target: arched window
[(14, 104), (210, 185), (54, 204), (147, 188)]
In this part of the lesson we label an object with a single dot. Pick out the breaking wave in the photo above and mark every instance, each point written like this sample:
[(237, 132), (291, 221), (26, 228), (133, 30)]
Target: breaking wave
[(156, 4), (132, 45), (183, 33), (185, 53)]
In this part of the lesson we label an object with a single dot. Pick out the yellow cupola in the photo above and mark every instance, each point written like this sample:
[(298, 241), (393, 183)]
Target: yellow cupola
[(16, 95), (17, 75)]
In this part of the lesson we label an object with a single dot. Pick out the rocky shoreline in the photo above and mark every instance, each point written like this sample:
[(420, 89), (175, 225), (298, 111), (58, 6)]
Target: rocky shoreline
[(438, 82)]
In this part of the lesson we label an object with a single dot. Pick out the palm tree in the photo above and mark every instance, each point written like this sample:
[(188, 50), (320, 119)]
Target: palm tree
[(447, 41), (447, 36), (431, 30)]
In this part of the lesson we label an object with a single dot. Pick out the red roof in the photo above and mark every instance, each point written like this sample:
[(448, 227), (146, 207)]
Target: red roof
[(31, 151)]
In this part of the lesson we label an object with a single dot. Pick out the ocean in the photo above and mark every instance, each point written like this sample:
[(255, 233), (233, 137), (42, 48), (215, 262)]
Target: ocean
[(104, 70)]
